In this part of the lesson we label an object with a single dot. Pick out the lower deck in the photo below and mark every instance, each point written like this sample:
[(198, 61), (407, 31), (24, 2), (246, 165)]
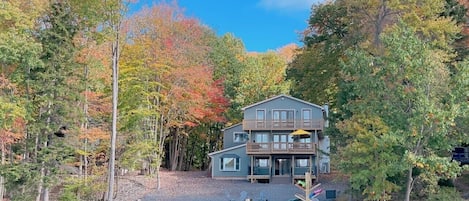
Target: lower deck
[(281, 168)]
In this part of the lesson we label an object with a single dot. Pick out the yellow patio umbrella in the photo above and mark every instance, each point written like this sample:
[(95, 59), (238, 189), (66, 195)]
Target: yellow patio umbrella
[(301, 133)]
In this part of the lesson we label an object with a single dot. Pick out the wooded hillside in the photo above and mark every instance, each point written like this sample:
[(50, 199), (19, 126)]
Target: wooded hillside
[(74, 74)]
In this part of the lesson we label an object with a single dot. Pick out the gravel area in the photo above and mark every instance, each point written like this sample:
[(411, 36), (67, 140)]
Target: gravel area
[(198, 186)]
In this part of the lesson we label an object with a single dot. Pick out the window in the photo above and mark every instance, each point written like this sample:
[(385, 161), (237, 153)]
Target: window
[(305, 140), (262, 162), (306, 116), (302, 163), (283, 118), (240, 137), (229, 164), (260, 118), (262, 137)]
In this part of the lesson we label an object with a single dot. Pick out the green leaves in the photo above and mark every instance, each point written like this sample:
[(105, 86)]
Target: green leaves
[(370, 157), (403, 98)]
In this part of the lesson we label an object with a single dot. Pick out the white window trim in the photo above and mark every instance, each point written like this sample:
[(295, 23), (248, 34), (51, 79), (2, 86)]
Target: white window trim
[(307, 122), (280, 118), (263, 134), (234, 137), (310, 113), (263, 110), (235, 165)]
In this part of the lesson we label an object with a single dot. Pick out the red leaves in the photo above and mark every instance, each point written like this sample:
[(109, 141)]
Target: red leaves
[(195, 90), (98, 104)]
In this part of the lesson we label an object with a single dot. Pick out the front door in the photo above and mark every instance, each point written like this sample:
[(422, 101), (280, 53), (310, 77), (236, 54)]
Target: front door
[(282, 167)]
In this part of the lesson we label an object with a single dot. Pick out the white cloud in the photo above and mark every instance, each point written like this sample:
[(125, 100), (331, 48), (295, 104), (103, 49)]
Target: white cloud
[(289, 5)]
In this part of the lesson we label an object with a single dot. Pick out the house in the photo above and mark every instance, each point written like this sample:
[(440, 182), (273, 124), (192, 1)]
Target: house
[(279, 140)]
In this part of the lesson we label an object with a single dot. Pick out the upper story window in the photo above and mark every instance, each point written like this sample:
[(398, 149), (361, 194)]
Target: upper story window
[(240, 137), (283, 118), (260, 118), (262, 137), (306, 116)]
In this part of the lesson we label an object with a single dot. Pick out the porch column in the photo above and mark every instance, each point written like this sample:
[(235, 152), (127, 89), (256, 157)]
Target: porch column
[(316, 157), (311, 164), (293, 168), (252, 168), (270, 167)]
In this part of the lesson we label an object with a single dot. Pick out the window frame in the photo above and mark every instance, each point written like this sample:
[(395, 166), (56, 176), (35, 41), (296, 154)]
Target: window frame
[(298, 163), (258, 162), (307, 122), (240, 141), (236, 165), (260, 122)]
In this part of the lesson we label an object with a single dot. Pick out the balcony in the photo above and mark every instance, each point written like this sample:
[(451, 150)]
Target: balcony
[(283, 124), (280, 148)]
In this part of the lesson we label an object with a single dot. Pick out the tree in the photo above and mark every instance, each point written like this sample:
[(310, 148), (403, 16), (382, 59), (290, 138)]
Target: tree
[(407, 90), (12, 124), (167, 86), (228, 56), (262, 78)]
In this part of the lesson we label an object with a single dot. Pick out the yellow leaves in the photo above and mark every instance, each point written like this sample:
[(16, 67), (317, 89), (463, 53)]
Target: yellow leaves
[(94, 134), (414, 132), (420, 165)]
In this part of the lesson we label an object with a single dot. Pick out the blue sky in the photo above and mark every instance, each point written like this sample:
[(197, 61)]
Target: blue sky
[(261, 24)]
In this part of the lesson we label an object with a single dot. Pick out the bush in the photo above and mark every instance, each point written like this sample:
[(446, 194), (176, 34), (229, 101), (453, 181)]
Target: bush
[(445, 194), (76, 188)]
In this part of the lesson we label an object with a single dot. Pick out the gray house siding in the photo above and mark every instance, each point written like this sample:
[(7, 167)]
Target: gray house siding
[(268, 143), (244, 163), (229, 134), (283, 103)]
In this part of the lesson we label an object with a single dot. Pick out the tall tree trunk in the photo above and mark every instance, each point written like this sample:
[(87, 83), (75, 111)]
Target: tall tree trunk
[(161, 143), (182, 152), (174, 150), (115, 68), (83, 158), (2, 179), (410, 181), (45, 194), (41, 182), (41, 190)]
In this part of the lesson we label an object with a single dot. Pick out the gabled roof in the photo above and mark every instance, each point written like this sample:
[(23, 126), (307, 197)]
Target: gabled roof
[(232, 126), (281, 96), (227, 149)]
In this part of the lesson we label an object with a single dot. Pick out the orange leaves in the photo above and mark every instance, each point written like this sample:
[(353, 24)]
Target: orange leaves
[(94, 134), (12, 114), (195, 90), (98, 104), (168, 54)]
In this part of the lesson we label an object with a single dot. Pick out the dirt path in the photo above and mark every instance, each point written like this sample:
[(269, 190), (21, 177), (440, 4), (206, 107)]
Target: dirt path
[(198, 186)]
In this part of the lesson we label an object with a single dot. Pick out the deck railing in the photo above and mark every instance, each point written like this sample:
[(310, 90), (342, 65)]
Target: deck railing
[(283, 124), (281, 148)]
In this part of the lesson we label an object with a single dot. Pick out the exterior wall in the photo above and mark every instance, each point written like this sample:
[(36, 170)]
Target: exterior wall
[(243, 166), (283, 103), (324, 151), (238, 149), (228, 136)]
